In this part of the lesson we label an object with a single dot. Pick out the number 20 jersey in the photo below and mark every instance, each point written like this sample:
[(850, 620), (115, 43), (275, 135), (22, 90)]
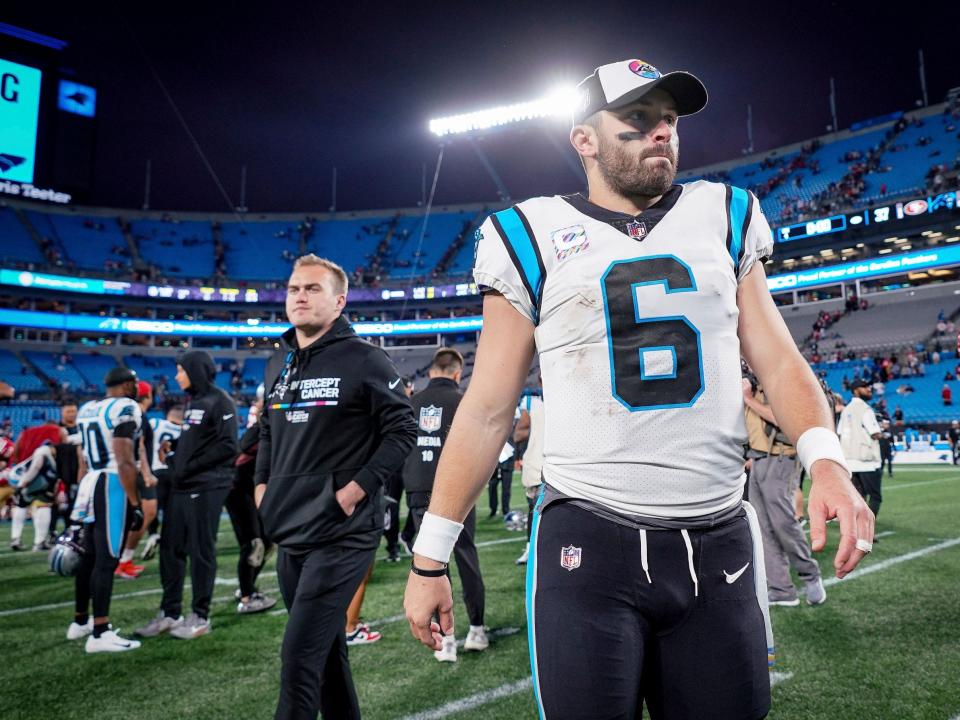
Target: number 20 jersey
[(636, 330), (98, 419)]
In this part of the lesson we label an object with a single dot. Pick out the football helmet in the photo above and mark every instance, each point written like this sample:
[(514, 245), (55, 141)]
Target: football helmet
[(67, 554)]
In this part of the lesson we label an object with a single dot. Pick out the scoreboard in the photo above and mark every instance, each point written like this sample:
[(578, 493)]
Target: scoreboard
[(885, 214), (47, 121)]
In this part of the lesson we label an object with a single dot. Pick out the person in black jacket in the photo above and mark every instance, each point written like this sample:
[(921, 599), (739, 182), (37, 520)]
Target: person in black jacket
[(247, 525), (434, 408), (201, 473), (335, 425)]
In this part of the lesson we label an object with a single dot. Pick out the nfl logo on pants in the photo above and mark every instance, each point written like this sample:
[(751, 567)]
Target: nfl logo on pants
[(570, 557)]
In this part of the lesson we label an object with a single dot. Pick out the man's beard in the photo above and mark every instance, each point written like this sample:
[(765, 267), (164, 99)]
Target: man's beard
[(628, 175)]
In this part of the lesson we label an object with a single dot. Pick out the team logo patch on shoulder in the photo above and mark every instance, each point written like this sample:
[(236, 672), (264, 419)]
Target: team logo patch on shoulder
[(570, 557), (569, 241), (644, 69), (430, 417)]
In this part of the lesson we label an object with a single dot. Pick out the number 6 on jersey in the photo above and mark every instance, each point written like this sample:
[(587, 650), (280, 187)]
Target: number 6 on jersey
[(655, 363)]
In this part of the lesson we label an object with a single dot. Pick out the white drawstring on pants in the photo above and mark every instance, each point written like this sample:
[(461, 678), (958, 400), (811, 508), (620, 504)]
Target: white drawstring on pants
[(643, 555), (693, 572)]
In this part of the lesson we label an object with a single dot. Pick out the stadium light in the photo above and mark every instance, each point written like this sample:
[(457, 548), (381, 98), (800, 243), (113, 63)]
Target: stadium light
[(558, 103)]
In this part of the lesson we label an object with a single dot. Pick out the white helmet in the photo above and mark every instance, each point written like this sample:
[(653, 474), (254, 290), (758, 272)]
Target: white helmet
[(515, 520)]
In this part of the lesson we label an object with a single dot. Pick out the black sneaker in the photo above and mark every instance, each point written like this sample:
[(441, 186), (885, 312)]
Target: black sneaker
[(16, 546)]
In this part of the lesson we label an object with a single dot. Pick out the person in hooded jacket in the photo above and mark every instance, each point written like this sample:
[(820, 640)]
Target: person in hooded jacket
[(202, 473), (336, 425)]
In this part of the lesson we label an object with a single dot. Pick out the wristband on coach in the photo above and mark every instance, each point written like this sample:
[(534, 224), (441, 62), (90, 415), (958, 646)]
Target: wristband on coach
[(437, 537), (819, 443), (440, 572)]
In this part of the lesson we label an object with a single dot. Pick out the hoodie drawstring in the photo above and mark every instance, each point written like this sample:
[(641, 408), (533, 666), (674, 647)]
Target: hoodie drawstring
[(693, 572)]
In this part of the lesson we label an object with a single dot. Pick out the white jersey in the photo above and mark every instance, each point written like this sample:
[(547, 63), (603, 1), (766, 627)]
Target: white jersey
[(533, 455), (163, 431), (100, 421), (636, 329)]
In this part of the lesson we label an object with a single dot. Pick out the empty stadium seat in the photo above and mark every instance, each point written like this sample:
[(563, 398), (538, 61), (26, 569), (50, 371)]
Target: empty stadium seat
[(18, 375), (16, 245)]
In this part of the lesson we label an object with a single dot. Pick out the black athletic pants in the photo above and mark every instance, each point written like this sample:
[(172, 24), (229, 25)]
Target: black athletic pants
[(868, 485), (688, 640), (468, 564), (190, 530), (391, 523), (886, 460), (247, 528), (163, 495), (502, 476), (103, 541), (317, 587)]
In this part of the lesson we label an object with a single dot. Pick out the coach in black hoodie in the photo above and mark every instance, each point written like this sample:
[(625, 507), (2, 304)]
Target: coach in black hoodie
[(336, 424), (202, 473)]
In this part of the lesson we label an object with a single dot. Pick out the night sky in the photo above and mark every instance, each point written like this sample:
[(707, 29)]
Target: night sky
[(293, 89)]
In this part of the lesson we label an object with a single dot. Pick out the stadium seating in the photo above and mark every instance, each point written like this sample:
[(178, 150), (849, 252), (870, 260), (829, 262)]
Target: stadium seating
[(910, 160), (24, 415), (16, 245), (64, 374), (93, 368), (19, 375), (153, 369), (178, 248), (89, 242), (255, 250)]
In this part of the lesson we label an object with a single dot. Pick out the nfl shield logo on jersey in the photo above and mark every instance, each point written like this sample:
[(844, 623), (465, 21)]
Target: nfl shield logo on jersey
[(430, 418), (637, 230), (570, 557)]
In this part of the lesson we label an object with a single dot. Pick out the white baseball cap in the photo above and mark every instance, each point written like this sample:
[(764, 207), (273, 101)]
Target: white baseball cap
[(617, 84)]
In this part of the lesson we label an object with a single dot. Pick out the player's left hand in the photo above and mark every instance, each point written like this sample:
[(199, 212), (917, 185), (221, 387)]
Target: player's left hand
[(135, 518), (832, 495), (349, 496)]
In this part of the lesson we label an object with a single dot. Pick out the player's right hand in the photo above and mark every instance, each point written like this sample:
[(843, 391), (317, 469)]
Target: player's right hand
[(426, 598)]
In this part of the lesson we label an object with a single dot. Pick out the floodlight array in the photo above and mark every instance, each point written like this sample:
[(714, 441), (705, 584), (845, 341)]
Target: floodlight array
[(557, 104)]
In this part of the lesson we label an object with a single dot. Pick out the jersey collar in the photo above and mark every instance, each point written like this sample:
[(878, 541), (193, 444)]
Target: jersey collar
[(624, 222)]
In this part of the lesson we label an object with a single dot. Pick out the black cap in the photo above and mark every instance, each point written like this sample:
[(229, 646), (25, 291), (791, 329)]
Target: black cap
[(118, 376), (621, 83), (859, 384)]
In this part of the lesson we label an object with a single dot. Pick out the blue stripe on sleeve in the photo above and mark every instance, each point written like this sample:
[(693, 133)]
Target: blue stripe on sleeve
[(739, 202)]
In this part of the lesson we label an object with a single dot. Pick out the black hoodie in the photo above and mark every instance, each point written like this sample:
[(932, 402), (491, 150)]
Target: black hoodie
[(208, 439), (333, 412)]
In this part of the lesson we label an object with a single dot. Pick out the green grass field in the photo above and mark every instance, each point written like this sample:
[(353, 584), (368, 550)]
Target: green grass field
[(885, 645)]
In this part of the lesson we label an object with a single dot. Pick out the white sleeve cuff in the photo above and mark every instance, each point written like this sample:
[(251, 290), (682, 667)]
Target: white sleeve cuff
[(819, 443), (436, 537)]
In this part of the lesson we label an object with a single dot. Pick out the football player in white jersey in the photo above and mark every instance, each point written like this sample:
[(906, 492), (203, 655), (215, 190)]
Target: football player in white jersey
[(166, 432), (640, 299), (107, 506)]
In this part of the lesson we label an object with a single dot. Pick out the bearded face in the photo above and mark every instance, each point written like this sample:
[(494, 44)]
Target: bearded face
[(632, 172)]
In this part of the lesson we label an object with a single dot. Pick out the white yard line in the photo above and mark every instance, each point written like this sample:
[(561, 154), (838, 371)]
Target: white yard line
[(121, 596), (474, 701), (890, 562), (887, 486), (497, 693)]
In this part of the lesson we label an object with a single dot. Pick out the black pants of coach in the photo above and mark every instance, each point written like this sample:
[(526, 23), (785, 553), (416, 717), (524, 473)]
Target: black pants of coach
[(190, 527), (868, 485), (246, 526), (468, 564), (500, 483), (685, 636), (317, 587)]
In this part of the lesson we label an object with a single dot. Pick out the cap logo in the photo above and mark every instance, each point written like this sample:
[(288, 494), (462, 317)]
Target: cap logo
[(644, 70)]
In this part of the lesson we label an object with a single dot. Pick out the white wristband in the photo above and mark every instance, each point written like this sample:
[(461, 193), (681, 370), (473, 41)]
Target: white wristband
[(818, 443), (436, 537)]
